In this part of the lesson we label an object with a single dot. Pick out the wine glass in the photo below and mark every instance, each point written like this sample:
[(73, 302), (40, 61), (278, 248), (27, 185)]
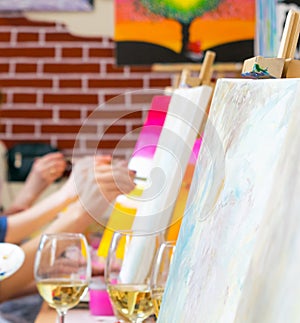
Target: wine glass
[(160, 272), (62, 270), (127, 274)]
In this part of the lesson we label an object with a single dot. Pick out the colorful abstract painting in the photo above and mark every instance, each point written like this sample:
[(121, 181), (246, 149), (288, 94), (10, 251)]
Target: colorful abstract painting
[(271, 16), (46, 5), (149, 32), (231, 188), (266, 29), (186, 113), (168, 136), (125, 208)]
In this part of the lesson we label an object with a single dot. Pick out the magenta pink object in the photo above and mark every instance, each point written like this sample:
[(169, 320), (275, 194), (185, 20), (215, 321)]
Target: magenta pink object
[(149, 135), (100, 303)]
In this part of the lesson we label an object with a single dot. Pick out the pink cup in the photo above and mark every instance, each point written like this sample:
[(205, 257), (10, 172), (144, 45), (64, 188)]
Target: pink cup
[(99, 300)]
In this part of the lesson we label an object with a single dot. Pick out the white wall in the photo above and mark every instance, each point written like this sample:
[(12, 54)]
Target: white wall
[(99, 22)]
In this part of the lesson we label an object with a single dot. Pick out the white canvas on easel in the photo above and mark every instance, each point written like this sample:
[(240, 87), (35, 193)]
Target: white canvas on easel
[(225, 211), (185, 115), (271, 291)]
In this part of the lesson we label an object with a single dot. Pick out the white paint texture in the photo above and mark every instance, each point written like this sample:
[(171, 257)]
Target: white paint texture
[(272, 288), (245, 137)]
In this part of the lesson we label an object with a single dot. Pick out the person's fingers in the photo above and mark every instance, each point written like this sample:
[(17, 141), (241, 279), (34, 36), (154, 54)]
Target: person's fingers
[(52, 169), (121, 163), (54, 155), (89, 162), (49, 160), (102, 159), (44, 161), (56, 170), (84, 163), (114, 180), (114, 173)]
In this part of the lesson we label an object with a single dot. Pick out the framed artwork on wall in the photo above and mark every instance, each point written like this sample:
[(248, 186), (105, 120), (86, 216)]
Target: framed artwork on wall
[(148, 32), (282, 9), (46, 5), (270, 20)]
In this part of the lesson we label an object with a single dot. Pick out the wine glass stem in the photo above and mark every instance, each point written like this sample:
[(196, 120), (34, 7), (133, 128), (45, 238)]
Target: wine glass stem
[(61, 317)]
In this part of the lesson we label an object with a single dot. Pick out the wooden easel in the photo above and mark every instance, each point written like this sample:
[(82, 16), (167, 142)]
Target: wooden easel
[(284, 65), (220, 69), (204, 78)]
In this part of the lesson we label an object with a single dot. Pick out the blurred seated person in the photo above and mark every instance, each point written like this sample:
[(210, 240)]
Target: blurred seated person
[(94, 184)]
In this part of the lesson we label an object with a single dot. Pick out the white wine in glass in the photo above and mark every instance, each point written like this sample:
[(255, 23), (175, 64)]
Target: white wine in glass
[(127, 274), (160, 272), (62, 270)]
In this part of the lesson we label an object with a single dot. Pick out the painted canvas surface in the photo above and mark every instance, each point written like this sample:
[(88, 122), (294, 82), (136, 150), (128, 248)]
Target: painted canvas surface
[(46, 5), (231, 188), (149, 32), (146, 144), (266, 40), (185, 115), (125, 209), (272, 286)]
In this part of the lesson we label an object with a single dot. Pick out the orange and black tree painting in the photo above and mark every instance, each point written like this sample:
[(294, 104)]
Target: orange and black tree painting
[(181, 11), (153, 31)]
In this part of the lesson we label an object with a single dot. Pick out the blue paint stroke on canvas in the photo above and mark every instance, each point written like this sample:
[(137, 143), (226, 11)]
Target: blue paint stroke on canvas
[(266, 28), (213, 251)]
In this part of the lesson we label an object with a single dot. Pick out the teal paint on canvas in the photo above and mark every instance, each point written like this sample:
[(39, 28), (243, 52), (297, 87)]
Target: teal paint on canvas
[(266, 38), (232, 185)]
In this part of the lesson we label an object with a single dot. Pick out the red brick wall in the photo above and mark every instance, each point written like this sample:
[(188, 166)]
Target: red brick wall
[(52, 81)]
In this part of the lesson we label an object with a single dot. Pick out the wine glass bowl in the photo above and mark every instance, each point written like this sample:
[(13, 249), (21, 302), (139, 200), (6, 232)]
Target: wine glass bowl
[(62, 270), (160, 272), (127, 274)]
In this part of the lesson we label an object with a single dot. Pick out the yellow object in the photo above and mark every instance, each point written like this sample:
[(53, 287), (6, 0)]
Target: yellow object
[(124, 212), (83, 250), (121, 218), (173, 230)]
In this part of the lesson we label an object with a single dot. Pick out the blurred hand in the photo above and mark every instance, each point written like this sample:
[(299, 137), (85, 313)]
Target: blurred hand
[(103, 184), (78, 176), (114, 180), (48, 168), (96, 182), (45, 170)]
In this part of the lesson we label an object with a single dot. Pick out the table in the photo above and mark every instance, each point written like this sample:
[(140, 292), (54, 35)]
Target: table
[(75, 315), (48, 315)]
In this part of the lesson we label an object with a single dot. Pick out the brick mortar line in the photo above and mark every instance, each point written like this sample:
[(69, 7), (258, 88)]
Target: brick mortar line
[(50, 44), (59, 136), (105, 122), (76, 76), (75, 107), (61, 29), (70, 76), (62, 91), (49, 60)]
